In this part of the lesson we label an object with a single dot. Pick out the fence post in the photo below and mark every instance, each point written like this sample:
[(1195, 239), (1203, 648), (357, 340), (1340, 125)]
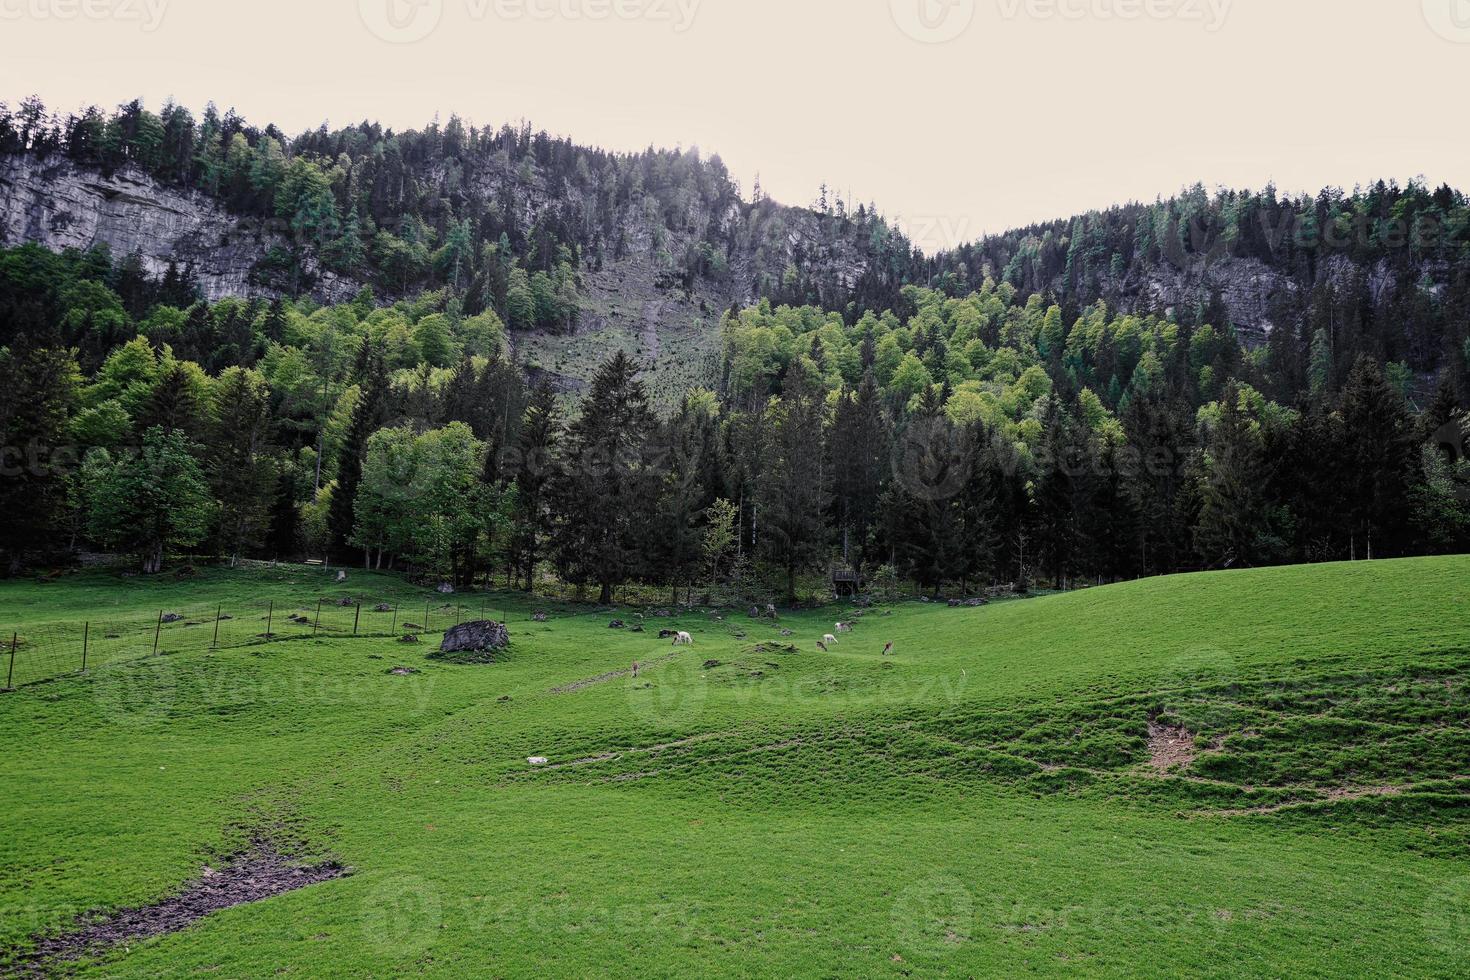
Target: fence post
[(86, 639), (426, 615), (270, 618), (458, 614), (318, 624), (10, 678), (393, 630), (218, 612), (157, 632), (356, 619)]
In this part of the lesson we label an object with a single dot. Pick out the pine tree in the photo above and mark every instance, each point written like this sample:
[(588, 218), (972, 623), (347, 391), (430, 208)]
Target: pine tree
[(368, 416), (1379, 452), (38, 389), (241, 473), (793, 491), (535, 473), (604, 494)]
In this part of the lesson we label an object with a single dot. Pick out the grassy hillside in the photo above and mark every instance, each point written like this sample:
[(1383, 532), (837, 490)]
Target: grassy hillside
[(1251, 773)]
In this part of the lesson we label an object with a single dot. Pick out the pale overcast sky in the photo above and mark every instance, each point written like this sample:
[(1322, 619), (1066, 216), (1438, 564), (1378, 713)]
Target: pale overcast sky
[(956, 116)]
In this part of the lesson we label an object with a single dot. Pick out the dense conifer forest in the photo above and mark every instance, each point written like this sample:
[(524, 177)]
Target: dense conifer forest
[(1038, 407)]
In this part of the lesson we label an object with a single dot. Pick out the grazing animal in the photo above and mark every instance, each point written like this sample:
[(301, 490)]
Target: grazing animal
[(683, 640), (635, 668), (822, 647), (888, 650), (844, 627), (830, 640)]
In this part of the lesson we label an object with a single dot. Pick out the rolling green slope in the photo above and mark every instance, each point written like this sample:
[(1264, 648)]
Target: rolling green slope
[(1256, 773)]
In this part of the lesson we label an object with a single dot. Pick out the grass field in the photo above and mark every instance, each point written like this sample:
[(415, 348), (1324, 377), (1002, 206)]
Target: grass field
[(1255, 773)]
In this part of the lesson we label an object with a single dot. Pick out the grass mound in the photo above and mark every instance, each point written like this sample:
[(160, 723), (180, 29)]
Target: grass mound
[(1258, 772)]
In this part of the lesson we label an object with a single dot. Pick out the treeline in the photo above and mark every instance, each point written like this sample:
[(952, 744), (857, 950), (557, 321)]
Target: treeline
[(496, 214), (1383, 270), (956, 441)]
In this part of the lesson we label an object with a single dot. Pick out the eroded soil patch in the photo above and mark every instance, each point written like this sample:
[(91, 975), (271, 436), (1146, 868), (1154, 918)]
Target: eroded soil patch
[(254, 876), (1170, 749)]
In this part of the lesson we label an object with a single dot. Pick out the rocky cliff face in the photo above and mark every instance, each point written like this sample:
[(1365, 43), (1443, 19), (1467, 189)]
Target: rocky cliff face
[(54, 203)]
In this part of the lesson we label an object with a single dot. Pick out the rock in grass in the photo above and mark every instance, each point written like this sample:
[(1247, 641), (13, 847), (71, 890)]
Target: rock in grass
[(617, 624), (172, 618), (474, 642), (538, 760)]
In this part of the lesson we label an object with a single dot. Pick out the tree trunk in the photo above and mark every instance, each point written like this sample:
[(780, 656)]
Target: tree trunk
[(607, 595)]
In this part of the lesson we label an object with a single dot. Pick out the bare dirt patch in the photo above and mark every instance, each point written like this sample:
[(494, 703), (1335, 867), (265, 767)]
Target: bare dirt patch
[(576, 686), (1170, 749), (254, 876)]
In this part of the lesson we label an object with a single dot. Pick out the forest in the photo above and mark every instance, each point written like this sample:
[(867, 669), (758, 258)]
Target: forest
[(955, 441)]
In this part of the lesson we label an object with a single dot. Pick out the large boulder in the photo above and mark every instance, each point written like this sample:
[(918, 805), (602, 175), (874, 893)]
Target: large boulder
[(475, 638)]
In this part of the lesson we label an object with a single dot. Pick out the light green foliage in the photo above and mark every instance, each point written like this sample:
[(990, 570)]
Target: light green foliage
[(151, 502)]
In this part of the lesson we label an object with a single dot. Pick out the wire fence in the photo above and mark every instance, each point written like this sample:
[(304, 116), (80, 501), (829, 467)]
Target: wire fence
[(47, 651)]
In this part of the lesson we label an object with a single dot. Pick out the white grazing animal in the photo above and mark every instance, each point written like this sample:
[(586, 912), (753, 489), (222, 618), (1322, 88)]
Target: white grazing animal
[(683, 640), (830, 640), (844, 627)]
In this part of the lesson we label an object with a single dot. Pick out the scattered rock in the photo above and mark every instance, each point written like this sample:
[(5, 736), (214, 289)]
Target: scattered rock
[(505, 700), (383, 608), (413, 627), (540, 617), (172, 618), (409, 639), (617, 624), (346, 603), (637, 629), (538, 760), (225, 617), (788, 633), (711, 664), (663, 614), (954, 603), (446, 589), (403, 672)]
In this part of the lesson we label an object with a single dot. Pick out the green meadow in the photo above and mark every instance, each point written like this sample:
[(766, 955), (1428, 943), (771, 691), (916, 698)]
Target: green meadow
[(1255, 773)]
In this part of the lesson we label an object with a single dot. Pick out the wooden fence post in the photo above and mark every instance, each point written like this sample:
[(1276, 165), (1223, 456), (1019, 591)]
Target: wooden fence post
[(270, 617), (426, 615), (86, 639), (393, 630), (318, 624), (157, 632), (356, 619), (10, 678), (218, 612)]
